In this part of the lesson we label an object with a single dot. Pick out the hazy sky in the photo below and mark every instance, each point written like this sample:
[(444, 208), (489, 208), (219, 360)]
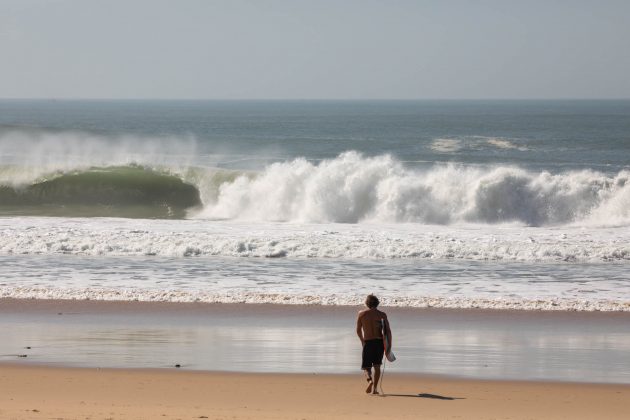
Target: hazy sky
[(315, 49)]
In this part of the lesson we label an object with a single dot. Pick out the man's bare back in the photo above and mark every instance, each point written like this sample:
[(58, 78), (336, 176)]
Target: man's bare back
[(371, 323)]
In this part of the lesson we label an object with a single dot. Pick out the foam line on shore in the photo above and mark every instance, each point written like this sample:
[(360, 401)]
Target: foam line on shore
[(144, 295)]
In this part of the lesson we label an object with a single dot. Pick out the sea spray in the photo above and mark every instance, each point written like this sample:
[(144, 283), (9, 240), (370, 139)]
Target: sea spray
[(31, 155), (352, 189)]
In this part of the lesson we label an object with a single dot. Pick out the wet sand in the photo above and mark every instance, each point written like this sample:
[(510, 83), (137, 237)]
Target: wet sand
[(478, 344), (36, 392)]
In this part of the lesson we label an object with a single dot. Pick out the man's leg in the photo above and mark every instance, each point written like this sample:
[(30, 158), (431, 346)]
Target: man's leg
[(377, 376), (368, 373)]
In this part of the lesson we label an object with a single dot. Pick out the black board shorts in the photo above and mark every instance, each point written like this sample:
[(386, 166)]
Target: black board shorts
[(373, 351)]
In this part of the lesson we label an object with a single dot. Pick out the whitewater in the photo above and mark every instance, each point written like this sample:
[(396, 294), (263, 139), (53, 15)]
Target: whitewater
[(292, 204), (350, 188)]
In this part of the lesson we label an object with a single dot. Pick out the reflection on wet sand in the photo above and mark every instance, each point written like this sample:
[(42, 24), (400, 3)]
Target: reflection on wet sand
[(481, 344)]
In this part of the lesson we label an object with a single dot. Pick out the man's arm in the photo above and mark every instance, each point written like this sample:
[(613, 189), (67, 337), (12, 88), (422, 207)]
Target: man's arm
[(360, 329)]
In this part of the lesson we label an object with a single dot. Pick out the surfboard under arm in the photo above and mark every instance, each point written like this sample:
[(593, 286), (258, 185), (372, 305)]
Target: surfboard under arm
[(388, 354)]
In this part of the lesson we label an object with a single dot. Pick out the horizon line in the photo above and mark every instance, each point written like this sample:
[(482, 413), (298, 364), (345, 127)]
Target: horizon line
[(52, 99)]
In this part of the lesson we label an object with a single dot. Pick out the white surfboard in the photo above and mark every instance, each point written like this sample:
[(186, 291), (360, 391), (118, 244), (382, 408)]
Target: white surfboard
[(388, 354)]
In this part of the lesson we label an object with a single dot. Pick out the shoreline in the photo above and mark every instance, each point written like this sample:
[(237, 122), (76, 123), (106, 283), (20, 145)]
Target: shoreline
[(35, 391), (358, 375), (491, 344), (12, 304)]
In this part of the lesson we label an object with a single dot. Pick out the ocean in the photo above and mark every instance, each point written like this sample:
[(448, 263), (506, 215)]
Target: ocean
[(454, 204)]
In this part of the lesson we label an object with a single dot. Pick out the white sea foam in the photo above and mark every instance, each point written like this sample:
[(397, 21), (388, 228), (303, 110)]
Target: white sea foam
[(446, 145), (502, 143), (352, 189), (474, 143), (126, 237), (240, 296)]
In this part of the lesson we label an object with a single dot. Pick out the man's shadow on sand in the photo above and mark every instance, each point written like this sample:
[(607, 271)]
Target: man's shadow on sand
[(431, 396)]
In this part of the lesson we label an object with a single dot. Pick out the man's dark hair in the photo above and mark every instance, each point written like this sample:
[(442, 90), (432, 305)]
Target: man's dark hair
[(371, 301)]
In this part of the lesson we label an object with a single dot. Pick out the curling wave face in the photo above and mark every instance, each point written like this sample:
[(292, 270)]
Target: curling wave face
[(127, 191)]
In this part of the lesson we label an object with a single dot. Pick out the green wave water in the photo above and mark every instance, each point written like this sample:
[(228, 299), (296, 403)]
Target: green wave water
[(119, 191)]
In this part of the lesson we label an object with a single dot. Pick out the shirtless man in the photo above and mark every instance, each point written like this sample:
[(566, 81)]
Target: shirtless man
[(371, 323)]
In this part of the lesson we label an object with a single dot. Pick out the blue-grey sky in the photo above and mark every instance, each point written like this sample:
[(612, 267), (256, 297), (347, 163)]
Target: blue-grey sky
[(337, 49)]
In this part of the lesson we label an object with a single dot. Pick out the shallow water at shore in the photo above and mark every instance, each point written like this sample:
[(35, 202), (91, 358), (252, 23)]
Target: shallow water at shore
[(581, 347), (404, 283)]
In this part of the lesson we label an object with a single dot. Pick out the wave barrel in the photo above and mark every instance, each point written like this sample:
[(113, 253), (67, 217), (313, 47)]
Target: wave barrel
[(103, 192)]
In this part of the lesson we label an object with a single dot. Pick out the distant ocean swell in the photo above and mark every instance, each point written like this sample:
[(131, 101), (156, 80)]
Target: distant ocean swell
[(348, 189)]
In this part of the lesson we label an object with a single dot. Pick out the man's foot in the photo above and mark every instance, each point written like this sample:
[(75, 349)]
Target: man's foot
[(369, 388), (375, 392)]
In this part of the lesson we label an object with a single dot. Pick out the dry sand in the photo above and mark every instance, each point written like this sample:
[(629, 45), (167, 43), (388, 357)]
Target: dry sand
[(38, 392)]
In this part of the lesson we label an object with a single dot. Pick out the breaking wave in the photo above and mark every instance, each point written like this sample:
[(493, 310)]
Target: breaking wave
[(129, 191), (353, 189), (350, 188)]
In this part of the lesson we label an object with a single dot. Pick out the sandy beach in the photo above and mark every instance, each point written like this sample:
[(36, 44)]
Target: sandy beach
[(35, 392), (117, 360)]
